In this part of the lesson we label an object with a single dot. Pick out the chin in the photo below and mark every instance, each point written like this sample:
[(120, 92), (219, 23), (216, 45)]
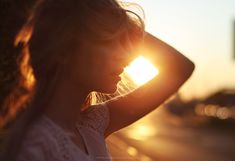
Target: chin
[(109, 88)]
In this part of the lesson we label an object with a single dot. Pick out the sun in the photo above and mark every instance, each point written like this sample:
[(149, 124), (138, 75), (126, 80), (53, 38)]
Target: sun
[(141, 70)]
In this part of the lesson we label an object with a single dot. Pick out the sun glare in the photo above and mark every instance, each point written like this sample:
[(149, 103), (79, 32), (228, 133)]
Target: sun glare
[(141, 70), (141, 131)]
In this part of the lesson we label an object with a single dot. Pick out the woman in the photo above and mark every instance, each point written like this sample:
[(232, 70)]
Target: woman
[(69, 50)]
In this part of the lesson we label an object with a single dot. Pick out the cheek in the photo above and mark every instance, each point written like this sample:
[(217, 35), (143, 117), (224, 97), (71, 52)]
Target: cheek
[(101, 66), (102, 80), (100, 73)]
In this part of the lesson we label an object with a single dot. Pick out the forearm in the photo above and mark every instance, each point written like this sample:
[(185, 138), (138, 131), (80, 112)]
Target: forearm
[(174, 70), (164, 57)]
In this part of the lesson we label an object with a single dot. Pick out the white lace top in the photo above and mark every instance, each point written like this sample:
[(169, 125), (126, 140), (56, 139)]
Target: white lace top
[(46, 141)]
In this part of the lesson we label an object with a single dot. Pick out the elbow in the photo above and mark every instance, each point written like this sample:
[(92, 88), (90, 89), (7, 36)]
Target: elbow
[(183, 73), (191, 67), (188, 69)]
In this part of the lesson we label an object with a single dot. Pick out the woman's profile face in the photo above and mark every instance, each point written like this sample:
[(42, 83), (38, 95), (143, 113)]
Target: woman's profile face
[(100, 64)]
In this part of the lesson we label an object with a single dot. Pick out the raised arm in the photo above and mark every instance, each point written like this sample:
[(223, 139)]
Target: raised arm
[(174, 70)]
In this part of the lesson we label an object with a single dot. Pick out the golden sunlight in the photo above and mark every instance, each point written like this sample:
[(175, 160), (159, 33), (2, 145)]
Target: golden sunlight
[(141, 131), (141, 70)]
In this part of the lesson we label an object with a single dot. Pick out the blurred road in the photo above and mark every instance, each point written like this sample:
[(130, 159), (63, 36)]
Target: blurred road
[(162, 137)]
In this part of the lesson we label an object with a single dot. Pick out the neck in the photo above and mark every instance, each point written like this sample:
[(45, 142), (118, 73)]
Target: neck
[(65, 106)]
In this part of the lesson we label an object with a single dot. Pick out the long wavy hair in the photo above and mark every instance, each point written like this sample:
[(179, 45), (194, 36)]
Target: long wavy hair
[(45, 42)]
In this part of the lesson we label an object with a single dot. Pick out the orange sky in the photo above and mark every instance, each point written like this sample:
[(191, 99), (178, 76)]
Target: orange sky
[(202, 30)]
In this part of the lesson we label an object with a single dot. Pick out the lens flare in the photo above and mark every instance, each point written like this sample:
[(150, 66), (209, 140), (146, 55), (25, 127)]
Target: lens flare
[(141, 70)]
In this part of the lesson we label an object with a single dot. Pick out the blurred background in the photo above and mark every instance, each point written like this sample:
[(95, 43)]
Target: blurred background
[(198, 122)]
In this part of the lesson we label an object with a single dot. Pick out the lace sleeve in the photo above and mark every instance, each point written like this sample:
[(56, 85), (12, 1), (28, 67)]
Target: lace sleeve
[(97, 118)]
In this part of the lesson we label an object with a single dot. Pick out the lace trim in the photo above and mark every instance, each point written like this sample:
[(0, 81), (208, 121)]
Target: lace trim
[(96, 118), (52, 142)]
